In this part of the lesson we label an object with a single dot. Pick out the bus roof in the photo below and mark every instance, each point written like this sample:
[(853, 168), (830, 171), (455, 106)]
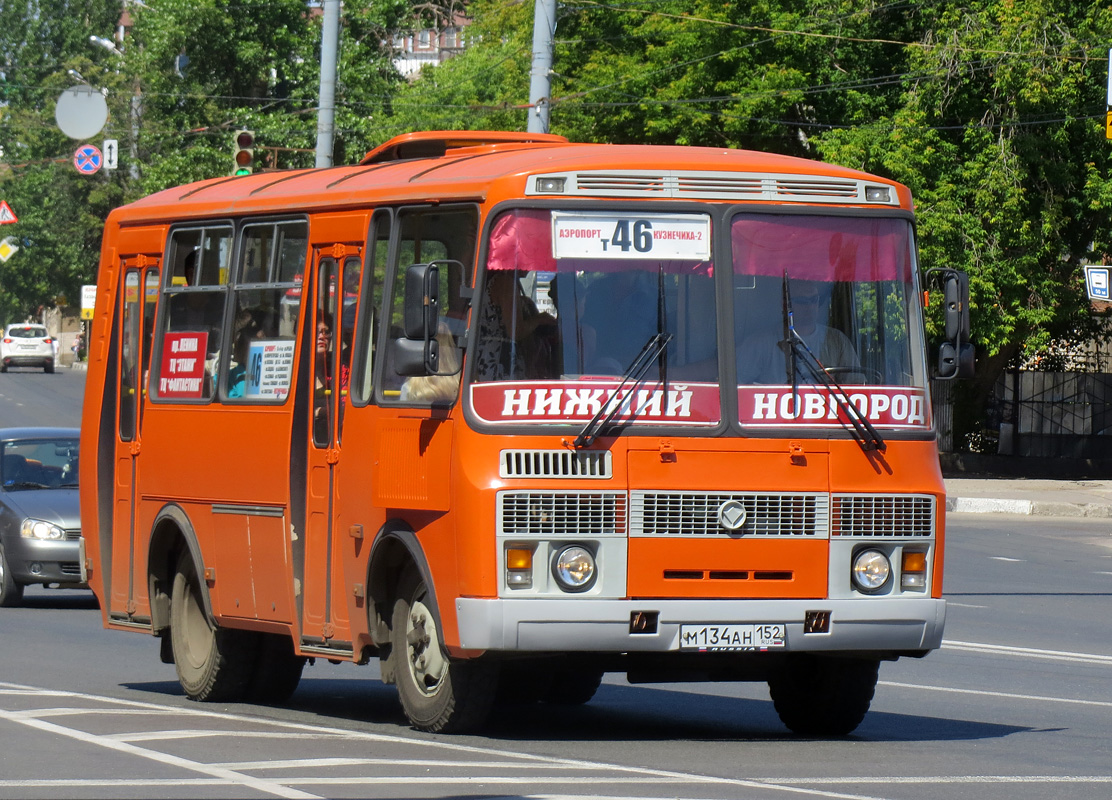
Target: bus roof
[(469, 165)]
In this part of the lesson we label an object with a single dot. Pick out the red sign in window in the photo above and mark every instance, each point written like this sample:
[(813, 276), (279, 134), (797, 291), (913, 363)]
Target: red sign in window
[(183, 365)]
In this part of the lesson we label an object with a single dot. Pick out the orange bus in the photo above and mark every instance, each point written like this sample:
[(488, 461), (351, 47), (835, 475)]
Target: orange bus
[(508, 413)]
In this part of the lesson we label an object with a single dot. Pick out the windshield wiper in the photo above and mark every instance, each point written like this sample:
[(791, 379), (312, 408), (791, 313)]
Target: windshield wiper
[(650, 351), (863, 432), (26, 485)]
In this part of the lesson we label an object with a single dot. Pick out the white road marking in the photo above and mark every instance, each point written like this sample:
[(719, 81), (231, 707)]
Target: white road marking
[(1026, 652), (1007, 695), (235, 778), (950, 603), (954, 779), (199, 733), (1005, 558), (628, 774), (231, 774)]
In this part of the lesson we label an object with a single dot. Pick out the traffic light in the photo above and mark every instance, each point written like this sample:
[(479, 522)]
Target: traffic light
[(244, 154)]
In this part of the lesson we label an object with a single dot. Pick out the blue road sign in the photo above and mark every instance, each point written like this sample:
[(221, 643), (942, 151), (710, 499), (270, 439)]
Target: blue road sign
[(1096, 282), (88, 159)]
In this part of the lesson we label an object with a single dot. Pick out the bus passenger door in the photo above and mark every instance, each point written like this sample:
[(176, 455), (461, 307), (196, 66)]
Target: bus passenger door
[(138, 300), (335, 290)]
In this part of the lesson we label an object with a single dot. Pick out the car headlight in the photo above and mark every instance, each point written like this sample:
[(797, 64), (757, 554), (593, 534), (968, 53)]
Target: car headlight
[(37, 529), (871, 571), (574, 568)]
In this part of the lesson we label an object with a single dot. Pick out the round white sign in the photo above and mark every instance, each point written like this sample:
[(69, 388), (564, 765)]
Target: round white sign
[(81, 112)]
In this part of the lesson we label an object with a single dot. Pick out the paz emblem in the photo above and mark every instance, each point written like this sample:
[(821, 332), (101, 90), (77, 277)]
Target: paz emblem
[(731, 515)]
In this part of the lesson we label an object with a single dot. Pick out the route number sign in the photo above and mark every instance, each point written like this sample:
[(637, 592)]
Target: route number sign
[(680, 237)]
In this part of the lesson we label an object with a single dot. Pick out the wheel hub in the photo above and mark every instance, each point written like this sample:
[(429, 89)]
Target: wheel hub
[(427, 664)]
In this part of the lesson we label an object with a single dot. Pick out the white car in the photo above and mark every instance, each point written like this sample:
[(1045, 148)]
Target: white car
[(26, 346)]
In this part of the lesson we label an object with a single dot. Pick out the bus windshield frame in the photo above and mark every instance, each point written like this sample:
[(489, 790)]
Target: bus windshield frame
[(569, 297)]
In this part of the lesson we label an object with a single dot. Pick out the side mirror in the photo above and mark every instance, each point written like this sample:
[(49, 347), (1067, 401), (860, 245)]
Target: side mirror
[(955, 292), (421, 305), (956, 355), (416, 357), (955, 362), (419, 352)]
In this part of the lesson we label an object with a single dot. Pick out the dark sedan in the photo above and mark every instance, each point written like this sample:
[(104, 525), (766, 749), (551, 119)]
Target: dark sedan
[(40, 523)]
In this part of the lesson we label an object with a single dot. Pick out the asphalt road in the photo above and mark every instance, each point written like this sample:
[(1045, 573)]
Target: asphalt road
[(1015, 705), (31, 397)]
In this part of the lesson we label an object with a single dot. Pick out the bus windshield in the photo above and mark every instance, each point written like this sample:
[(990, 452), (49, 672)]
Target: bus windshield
[(821, 300), (569, 301), (825, 314)]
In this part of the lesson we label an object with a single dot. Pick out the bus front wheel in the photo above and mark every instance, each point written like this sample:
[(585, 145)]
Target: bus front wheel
[(213, 664), (823, 696), (438, 693)]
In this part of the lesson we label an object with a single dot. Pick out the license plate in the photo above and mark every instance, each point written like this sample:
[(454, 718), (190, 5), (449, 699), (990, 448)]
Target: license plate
[(761, 636)]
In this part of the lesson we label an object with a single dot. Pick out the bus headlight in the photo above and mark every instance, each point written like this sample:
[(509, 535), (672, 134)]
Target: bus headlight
[(37, 529), (574, 568), (871, 571)]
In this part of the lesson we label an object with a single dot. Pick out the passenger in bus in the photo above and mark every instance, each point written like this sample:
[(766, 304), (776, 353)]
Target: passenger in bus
[(621, 307), (324, 382), (440, 388), (763, 356), (515, 339)]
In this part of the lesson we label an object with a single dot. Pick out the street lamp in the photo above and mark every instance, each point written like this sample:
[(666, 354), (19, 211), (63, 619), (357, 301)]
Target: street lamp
[(107, 44)]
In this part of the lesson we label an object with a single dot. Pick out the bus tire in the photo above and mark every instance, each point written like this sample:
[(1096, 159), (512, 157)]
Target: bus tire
[(823, 696), (277, 671), (573, 687), (213, 664), (11, 590), (438, 694)]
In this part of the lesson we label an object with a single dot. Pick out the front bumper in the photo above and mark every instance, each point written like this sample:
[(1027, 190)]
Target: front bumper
[(44, 561), (896, 625)]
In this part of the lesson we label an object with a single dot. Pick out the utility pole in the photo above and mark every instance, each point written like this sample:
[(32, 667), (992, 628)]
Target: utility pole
[(326, 113), (540, 81)]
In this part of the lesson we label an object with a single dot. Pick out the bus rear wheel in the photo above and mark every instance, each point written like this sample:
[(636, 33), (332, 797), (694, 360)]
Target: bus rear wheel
[(573, 687), (822, 695), (438, 693), (213, 664), (277, 671)]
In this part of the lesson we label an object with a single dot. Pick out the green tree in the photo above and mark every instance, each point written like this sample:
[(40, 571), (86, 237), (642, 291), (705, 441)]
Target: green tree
[(60, 211), (998, 132)]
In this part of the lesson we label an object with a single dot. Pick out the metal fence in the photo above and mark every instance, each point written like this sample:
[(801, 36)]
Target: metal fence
[(1052, 414)]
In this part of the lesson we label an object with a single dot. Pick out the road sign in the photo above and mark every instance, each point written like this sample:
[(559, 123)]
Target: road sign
[(111, 153), (6, 213), (81, 112), (88, 159), (88, 301), (7, 249), (1096, 282)]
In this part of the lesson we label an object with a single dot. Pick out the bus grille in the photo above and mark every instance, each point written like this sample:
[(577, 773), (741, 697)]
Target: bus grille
[(768, 514), (882, 515), (552, 514), (554, 464)]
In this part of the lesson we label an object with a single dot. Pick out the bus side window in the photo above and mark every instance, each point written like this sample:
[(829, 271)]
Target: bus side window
[(266, 307), (446, 235), (198, 267), (366, 342)]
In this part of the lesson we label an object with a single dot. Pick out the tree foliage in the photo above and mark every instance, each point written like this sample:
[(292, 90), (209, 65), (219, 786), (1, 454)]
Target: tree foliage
[(991, 111)]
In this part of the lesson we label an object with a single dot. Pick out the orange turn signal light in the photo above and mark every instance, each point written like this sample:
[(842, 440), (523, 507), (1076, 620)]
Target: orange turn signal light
[(519, 558), (914, 561)]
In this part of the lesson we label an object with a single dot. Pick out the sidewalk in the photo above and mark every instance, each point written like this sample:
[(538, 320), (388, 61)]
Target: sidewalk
[(1035, 496)]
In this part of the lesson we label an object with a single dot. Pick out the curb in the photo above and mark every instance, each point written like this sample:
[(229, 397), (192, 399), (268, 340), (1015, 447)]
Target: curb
[(986, 505)]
